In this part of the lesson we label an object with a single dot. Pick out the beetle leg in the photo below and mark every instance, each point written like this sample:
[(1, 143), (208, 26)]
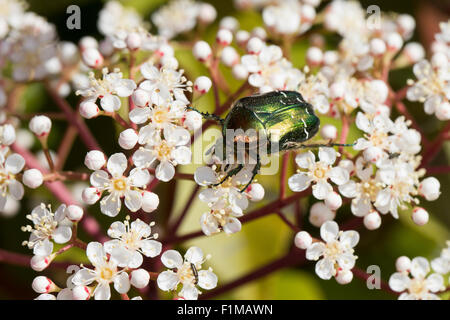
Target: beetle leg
[(318, 145), (229, 174), (254, 172), (207, 115)]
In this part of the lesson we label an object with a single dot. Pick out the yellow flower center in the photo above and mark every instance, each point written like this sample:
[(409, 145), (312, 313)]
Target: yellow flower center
[(163, 151), (120, 184), (107, 273)]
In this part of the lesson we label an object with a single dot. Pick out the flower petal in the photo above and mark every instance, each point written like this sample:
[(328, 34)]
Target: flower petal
[(172, 259)]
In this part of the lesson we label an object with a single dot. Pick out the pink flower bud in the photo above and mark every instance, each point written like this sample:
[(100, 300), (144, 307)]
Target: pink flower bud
[(141, 98), (394, 42), (202, 84), (88, 109), (92, 57), (32, 178), (224, 37), (81, 293), (39, 263), (128, 139), (344, 277), (406, 25), (90, 195), (254, 45), (303, 240), (255, 191), (420, 216), (43, 284), (95, 160), (202, 51), (414, 52), (88, 42)]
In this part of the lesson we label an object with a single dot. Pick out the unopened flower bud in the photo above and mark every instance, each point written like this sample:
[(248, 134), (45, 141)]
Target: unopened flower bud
[(81, 293), (406, 24), (92, 58), (88, 42), (224, 37), (333, 200), (40, 125), (420, 216), (32, 178), (229, 23), (337, 90), (242, 37), (372, 220), (394, 42), (7, 134), (140, 97), (139, 278), (314, 56), (207, 13), (106, 47), (254, 45), (88, 109), (150, 201), (320, 213), (134, 41), (344, 277), (95, 160), (443, 111), (74, 212), (330, 57), (202, 51), (303, 240), (229, 57), (403, 264), (259, 32), (43, 284), (328, 132), (39, 263), (308, 13), (128, 139), (429, 188), (377, 47), (193, 120), (90, 195), (414, 52), (239, 72), (165, 50), (45, 296), (202, 84), (255, 191)]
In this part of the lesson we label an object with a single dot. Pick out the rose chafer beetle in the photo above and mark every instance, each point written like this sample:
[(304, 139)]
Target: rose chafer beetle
[(283, 117)]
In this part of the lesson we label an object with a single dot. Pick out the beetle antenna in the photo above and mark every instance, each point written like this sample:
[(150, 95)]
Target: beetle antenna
[(318, 145), (207, 115)]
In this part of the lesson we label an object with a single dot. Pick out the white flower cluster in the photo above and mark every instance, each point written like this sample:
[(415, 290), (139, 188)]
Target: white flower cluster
[(415, 280), (432, 87)]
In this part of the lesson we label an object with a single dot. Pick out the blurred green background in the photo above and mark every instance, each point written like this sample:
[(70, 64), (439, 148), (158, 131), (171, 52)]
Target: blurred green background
[(262, 240)]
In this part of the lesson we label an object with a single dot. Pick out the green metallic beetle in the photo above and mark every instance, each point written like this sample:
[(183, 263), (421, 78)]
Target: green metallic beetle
[(284, 117)]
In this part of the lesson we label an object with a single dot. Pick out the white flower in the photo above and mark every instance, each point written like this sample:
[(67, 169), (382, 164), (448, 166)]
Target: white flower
[(165, 83), (119, 186), (177, 17), (13, 164), (47, 226), (318, 173), (108, 89), (226, 195), (433, 84), (187, 272), (418, 286), (336, 252), (131, 242), (442, 263), (170, 151), (105, 271), (364, 192), (220, 217)]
